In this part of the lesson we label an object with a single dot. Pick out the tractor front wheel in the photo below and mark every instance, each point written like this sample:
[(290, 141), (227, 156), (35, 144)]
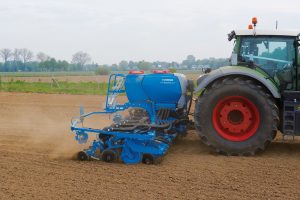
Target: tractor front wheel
[(236, 116)]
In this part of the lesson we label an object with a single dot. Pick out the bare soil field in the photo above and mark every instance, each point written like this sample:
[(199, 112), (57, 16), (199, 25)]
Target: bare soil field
[(36, 162), (102, 78)]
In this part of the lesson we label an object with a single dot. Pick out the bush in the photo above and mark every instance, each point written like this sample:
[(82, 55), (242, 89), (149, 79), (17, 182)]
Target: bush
[(172, 70), (102, 71)]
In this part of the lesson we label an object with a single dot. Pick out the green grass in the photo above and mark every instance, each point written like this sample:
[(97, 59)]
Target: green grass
[(44, 74), (64, 87)]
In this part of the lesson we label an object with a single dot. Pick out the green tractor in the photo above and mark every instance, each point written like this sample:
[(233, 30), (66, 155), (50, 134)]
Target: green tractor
[(241, 107)]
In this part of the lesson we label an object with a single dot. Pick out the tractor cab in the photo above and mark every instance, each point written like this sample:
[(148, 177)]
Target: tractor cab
[(274, 52)]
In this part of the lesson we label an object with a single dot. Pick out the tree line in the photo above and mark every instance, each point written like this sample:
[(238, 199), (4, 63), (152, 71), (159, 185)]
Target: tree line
[(14, 60), (190, 63)]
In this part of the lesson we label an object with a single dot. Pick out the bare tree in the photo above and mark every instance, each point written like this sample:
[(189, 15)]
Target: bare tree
[(5, 54), (81, 58), (26, 55), (17, 55), (42, 57)]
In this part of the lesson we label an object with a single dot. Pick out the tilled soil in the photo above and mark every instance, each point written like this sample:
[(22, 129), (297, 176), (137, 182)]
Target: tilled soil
[(36, 162)]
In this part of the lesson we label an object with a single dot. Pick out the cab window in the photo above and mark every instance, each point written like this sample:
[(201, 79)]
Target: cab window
[(269, 53)]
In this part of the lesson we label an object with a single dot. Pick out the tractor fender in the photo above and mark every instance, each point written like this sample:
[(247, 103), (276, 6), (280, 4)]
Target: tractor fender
[(206, 79)]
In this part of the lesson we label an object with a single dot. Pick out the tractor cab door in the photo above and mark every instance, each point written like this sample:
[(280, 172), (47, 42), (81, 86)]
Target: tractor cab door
[(291, 100)]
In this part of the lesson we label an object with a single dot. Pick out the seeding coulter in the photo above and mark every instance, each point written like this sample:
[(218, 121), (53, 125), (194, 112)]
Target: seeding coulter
[(238, 109)]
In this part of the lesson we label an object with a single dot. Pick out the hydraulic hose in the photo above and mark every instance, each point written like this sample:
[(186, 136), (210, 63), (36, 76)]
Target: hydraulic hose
[(140, 125)]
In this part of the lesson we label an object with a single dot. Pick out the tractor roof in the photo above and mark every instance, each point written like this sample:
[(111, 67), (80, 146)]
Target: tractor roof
[(268, 32)]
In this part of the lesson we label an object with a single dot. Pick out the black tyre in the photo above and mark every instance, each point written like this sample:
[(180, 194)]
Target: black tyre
[(82, 156), (148, 159), (109, 156), (236, 116)]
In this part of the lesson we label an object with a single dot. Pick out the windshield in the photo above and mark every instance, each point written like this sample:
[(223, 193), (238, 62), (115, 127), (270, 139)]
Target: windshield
[(269, 53)]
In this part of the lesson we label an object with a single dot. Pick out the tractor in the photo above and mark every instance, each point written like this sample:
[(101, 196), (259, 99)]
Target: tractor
[(238, 108)]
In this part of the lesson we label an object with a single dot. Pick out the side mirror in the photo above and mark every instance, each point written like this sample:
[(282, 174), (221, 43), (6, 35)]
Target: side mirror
[(231, 35)]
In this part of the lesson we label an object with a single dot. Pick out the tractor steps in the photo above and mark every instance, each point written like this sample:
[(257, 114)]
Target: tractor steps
[(291, 113)]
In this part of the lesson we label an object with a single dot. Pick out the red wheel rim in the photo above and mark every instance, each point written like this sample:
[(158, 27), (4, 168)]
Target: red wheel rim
[(236, 118)]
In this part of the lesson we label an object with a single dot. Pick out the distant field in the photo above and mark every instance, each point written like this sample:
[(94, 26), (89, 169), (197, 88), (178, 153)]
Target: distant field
[(81, 73), (59, 88), (69, 82), (48, 79), (44, 74), (70, 76)]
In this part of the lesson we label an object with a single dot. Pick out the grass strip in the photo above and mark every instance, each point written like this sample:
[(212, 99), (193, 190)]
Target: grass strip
[(51, 88)]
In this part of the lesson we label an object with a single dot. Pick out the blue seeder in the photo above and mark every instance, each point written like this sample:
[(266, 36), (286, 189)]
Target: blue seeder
[(158, 108)]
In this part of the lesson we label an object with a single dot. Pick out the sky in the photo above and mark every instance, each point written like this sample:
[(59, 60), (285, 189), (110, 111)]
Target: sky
[(115, 30)]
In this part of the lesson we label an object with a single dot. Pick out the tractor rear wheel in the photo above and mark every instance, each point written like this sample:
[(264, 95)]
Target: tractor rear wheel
[(236, 116)]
